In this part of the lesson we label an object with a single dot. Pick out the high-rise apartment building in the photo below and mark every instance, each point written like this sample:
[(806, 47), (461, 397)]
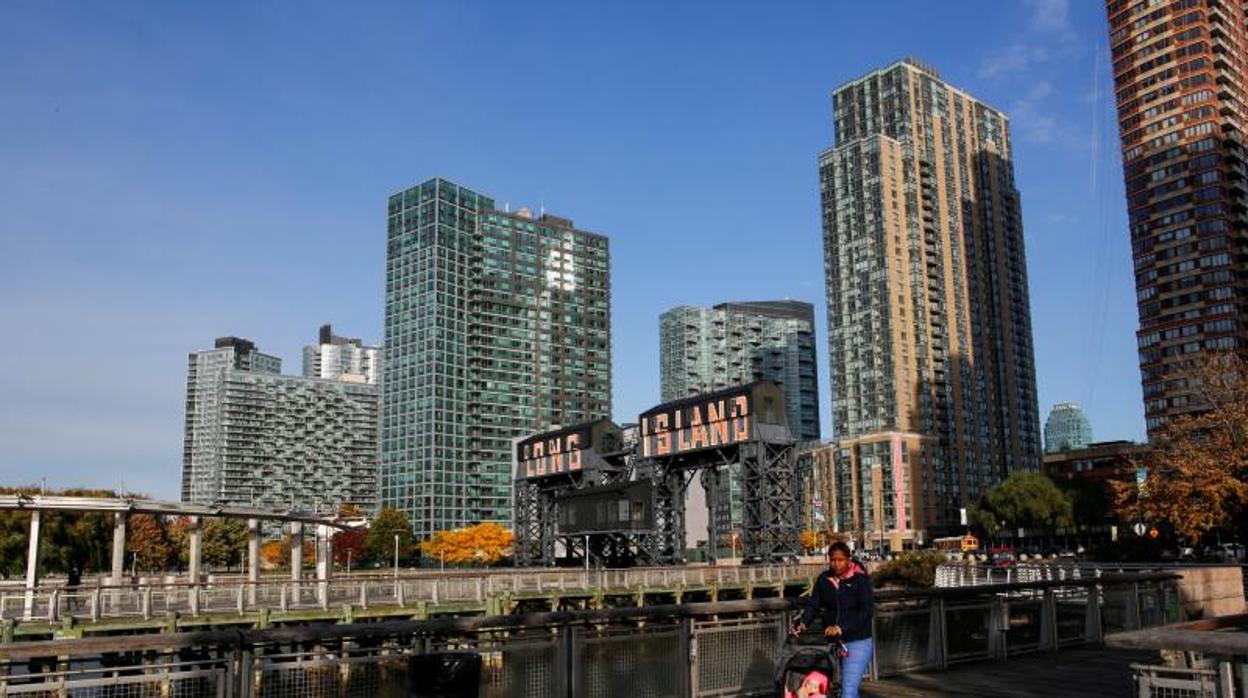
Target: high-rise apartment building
[(707, 349), (255, 437), (929, 325), (1179, 76), (341, 358), (497, 325), (1066, 428)]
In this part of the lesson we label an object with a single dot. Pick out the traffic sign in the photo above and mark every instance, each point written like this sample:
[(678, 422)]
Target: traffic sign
[(1154, 533), (1139, 528)]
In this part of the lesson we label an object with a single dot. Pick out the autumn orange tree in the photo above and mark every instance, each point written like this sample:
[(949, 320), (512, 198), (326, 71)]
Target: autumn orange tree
[(1197, 470), (484, 543), (148, 541), (809, 540)]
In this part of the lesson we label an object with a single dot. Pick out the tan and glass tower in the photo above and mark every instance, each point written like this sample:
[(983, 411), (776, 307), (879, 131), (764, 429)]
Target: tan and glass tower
[(929, 325), (1179, 77)]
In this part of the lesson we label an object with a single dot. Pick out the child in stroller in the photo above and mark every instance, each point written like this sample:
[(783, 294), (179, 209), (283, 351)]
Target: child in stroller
[(809, 669)]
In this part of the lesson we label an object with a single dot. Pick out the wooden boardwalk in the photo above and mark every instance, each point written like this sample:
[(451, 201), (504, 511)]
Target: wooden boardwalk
[(1093, 671)]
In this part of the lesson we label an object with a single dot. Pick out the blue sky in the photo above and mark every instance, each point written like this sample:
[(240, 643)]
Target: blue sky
[(173, 172)]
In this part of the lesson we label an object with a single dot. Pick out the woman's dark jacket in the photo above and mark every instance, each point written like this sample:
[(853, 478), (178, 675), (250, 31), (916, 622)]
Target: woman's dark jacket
[(848, 603)]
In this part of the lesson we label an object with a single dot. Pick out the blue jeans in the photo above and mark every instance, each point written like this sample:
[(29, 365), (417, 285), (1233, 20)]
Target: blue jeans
[(854, 665)]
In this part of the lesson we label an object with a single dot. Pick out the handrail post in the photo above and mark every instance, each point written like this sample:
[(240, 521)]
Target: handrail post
[(1048, 621), (1093, 630)]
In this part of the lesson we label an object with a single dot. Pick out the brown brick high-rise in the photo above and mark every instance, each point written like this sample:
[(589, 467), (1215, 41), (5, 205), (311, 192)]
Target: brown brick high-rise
[(1179, 75)]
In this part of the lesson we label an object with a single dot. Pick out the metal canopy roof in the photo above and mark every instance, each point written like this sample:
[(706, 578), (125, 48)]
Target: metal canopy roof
[(148, 506)]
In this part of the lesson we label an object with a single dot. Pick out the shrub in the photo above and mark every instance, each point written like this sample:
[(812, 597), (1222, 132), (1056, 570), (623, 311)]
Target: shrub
[(912, 568)]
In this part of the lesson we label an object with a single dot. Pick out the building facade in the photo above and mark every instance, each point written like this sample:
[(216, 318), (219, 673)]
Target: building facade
[(341, 358), (929, 325), (1179, 77), (1103, 461), (497, 324), (1066, 428), (255, 437), (706, 349)]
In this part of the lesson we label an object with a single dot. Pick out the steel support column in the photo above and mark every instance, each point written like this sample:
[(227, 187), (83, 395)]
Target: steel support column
[(253, 558), (119, 547), (195, 535), (32, 564)]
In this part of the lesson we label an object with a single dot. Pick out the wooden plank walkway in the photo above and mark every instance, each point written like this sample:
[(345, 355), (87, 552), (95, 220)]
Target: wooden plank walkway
[(1092, 671)]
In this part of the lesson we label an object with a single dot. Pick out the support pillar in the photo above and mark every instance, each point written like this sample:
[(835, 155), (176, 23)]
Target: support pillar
[(296, 558), (323, 564), (32, 565), (195, 536), (119, 547), (253, 558)]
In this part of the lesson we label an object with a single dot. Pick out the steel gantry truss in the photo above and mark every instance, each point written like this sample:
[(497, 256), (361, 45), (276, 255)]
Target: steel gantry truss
[(735, 430)]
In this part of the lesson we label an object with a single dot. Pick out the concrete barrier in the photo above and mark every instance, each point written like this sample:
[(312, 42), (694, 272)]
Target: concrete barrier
[(1211, 591)]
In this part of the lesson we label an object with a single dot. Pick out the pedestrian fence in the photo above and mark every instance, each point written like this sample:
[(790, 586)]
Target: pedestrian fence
[(155, 597), (679, 650)]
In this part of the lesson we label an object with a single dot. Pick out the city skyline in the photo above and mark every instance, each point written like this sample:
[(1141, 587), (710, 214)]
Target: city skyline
[(149, 229)]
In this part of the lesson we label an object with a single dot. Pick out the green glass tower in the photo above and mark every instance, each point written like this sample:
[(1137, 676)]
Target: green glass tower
[(497, 325)]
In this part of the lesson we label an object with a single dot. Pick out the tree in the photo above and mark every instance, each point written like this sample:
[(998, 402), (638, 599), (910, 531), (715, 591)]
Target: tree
[(1197, 470), (1023, 500), (1090, 500), (224, 541), (484, 543), (274, 554), (148, 541), (349, 545), (912, 568), (809, 540), (379, 543)]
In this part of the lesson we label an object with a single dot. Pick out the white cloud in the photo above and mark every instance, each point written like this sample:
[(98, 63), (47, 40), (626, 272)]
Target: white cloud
[(1030, 120), (1052, 17), (1013, 59)]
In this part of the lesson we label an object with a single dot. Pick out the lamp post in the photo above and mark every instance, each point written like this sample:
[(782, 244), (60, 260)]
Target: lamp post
[(396, 556), (348, 562), (441, 560), (733, 542)]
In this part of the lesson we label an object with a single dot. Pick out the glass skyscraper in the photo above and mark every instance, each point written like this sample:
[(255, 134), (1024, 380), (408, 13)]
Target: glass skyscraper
[(497, 324), (706, 349), (929, 325), (1066, 428)]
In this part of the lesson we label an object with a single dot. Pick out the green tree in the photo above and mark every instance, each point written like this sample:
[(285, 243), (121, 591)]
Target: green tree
[(1023, 500), (224, 541), (379, 543), (1090, 500)]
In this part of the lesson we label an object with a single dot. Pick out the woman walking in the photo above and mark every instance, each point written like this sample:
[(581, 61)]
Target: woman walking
[(843, 596)]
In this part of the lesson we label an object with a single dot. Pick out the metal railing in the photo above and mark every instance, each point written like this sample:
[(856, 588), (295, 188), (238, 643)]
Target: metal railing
[(684, 650), (154, 598), (1206, 658)]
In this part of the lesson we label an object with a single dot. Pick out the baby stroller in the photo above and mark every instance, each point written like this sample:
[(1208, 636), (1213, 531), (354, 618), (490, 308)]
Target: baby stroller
[(808, 668)]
